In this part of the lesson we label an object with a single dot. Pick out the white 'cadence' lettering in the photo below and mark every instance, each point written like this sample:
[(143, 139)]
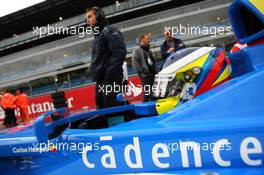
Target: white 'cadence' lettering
[(136, 149), (250, 147), (84, 157), (156, 155), (110, 155), (245, 151), (216, 153), (185, 146)]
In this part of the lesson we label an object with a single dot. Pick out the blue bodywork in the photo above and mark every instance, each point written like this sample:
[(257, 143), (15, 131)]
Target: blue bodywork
[(218, 132)]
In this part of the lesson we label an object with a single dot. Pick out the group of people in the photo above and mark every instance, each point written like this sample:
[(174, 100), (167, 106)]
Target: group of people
[(109, 53), (108, 58), (10, 102), (143, 61), (107, 67)]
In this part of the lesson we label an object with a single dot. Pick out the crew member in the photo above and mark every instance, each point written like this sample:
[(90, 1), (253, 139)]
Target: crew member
[(108, 55), (144, 64), (8, 104), (22, 105), (238, 46), (170, 45)]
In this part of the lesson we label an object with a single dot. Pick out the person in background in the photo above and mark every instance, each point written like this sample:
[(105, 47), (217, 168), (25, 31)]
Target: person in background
[(144, 64), (170, 45), (238, 46), (2, 112), (8, 104), (108, 55), (22, 105)]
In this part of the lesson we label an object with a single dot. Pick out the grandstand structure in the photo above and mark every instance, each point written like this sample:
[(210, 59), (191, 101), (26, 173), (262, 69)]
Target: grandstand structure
[(40, 64)]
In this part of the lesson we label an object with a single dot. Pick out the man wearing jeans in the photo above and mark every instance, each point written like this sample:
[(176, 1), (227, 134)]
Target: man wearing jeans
[(144, 64)]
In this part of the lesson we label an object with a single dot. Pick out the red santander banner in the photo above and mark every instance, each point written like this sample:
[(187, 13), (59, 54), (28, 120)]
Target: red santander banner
[(77, 98)]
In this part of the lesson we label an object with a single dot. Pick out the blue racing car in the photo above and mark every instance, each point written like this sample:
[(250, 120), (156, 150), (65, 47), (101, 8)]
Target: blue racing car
[(220, 131)]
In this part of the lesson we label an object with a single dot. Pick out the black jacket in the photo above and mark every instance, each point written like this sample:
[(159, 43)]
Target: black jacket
[(178, 44), (108, 55)]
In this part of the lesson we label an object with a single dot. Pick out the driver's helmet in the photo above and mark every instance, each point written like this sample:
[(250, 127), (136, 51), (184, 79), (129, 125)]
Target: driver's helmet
[(204, 67)]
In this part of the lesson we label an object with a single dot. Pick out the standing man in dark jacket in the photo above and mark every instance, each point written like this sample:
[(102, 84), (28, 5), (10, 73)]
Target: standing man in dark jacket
[(170, 45), (144, 64), (108, 55)]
